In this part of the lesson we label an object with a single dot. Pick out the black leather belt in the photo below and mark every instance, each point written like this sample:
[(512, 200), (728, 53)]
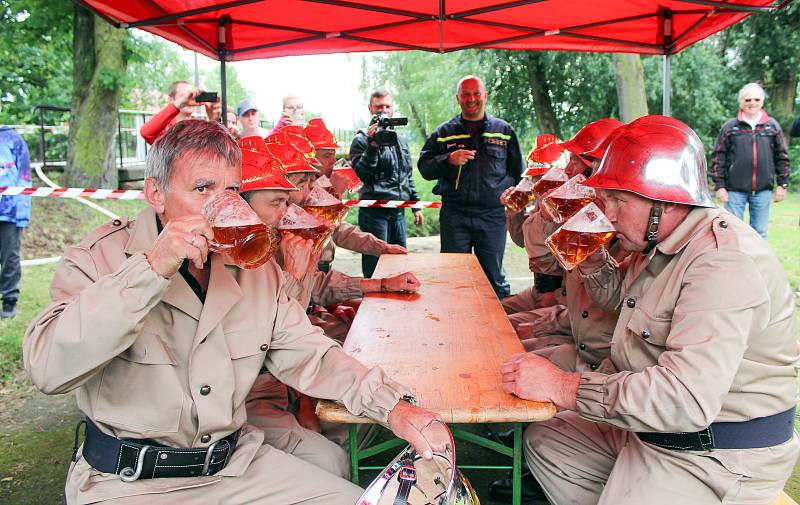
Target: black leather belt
[(144, 459), (753, 434)]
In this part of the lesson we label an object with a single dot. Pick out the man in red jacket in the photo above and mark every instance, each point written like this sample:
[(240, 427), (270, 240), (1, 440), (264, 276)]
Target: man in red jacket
[(180, 108)]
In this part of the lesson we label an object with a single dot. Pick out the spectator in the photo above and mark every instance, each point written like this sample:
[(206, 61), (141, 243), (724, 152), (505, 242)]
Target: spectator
[(750, 154), (386, 172), (180, 108), (474, 157), (232, 124), (249, 123), (292, 114), (15, 213)]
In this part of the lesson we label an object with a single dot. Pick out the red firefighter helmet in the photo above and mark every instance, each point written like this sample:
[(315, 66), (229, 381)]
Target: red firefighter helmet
[(319, 135), (292, 158), (260, 169), (588, 141), (658, 158), (296, 136)]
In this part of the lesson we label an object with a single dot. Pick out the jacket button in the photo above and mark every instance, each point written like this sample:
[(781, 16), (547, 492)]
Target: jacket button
[(723, 224), (584, 314), (630, 302), (264, 347), (116, 222), (582, 347), (205, 390), (593, 366), (205, 438), (564, 292), (645, 334)]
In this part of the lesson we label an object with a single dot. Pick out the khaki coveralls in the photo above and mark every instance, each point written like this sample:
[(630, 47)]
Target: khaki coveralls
[(137, 348), (706, 334)]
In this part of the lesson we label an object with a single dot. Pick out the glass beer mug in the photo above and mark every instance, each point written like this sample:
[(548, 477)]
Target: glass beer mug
[(238, 232), (296, 221), (564, 202), (554, 178), (522, 195), (581, 236), (321, 203), (343, 169)]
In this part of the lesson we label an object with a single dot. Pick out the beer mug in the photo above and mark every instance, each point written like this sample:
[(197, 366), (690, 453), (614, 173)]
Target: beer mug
[(563, 202), (580, 237), (296, 221), (344, 169), (522, 195), (238, 232), (321, 203), (325, 183), (554, 178)]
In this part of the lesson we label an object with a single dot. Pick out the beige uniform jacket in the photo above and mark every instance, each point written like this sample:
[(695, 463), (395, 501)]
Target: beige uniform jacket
[(138, 348), (591, 325), (706, 332), (353, 239)]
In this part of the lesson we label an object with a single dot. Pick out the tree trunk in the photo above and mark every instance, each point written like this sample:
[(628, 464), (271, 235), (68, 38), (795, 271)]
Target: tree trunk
[(417, 121), (540, 92), (98, 71), (630, 87), (781, 100)]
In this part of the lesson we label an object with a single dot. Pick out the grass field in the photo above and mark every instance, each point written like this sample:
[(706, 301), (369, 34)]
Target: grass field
[(34, 448)]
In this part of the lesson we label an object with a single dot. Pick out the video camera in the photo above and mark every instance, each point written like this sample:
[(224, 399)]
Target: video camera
[(385, 135)]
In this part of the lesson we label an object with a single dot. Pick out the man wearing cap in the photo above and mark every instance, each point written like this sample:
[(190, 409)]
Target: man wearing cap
[(473, 157), (701, 410), (162, 341), (249, 124), (387, 174)]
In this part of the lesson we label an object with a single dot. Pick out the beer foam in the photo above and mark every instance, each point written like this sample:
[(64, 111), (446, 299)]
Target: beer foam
[(589, 219), (227, 208), (342, 163), (297, 217), (318, 197), (323, 182), (573, 189), (524, 185), (556, 173)]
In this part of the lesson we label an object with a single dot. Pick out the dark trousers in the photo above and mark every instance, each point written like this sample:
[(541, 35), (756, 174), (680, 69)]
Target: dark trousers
[(388, 225), (482, 231), (10, 270)]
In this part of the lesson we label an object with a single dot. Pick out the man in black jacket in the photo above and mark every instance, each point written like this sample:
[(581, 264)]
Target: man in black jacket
[(750, 159), (386, 172), (474, 157)]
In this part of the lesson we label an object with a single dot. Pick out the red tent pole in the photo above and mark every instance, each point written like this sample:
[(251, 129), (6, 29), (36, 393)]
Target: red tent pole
[(223, 81)]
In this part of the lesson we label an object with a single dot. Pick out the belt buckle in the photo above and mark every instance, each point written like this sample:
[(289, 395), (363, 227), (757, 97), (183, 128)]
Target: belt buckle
[(209, 456), (129, 474)]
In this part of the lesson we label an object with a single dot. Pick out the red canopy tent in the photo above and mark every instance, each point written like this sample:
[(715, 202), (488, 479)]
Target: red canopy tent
[(237, 30)]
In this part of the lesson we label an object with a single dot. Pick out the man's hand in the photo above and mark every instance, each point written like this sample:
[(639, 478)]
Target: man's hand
[(182, 238), (296, 254), (185, 98), (213, 109), (306, 416), (345, 313), (421, 428), (504, 197), (722, 195), (533, 377), (419, 219), (780, 194), (460, 157), (407, 282), (371, 133), (593, 262), (394, 249)]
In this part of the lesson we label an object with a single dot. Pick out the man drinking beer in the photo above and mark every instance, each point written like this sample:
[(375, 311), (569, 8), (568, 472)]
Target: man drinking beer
[(701, 409), (162, 341)]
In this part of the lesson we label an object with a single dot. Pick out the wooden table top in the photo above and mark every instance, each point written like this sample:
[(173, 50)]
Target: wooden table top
[(446, 342)]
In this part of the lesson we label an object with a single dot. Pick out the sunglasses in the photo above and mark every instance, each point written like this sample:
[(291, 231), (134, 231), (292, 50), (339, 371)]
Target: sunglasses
[(748, 100)]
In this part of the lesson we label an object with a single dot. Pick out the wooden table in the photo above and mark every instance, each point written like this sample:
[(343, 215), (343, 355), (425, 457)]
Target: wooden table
[(447, 343)]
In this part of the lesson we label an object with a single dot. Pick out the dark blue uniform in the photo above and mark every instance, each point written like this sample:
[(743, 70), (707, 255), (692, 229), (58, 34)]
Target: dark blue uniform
[(472, 218)]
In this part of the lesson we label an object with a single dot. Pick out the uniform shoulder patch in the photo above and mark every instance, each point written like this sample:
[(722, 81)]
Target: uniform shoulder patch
[(105, 230), (725, 234)]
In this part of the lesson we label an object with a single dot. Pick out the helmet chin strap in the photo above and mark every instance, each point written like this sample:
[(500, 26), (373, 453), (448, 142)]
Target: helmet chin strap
[(652, 228)]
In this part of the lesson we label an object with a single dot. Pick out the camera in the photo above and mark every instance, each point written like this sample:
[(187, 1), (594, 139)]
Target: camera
[(385, 135), (206, 96)]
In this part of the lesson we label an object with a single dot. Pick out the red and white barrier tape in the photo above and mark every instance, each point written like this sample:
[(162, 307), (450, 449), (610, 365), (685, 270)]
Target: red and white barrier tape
[(135, 194)]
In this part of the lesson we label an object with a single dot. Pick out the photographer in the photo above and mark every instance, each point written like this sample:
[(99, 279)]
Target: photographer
[(183, 102), (383, 163)]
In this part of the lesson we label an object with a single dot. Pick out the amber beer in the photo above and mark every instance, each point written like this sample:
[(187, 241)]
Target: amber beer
[(580, 237), (317, 234), (353, 181), (517, 200), (249, 246), (545, 185), (332, 213), (563, 208)]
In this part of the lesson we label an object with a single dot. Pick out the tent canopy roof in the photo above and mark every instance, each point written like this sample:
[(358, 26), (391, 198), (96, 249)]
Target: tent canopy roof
[(272, 28)]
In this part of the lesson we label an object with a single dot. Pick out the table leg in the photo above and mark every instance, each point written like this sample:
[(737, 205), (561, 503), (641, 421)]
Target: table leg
[(353, 428), (517, 477)]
